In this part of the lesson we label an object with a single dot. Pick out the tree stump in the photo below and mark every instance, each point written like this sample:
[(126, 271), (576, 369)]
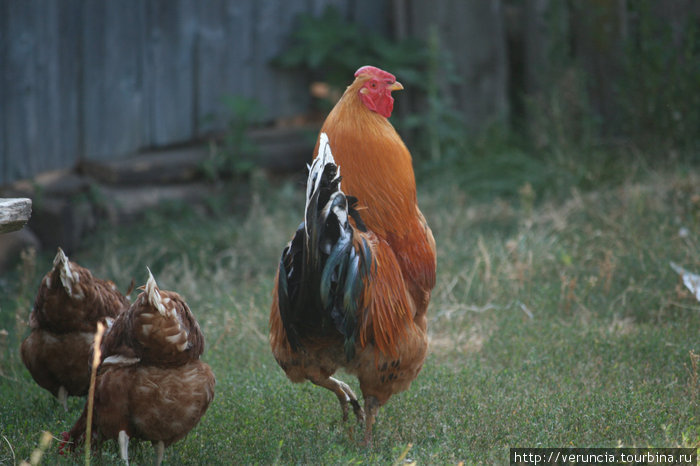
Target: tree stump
[(14, 214)]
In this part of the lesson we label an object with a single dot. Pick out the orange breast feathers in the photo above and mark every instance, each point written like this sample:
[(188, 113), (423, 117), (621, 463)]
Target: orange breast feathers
[(375, 165)]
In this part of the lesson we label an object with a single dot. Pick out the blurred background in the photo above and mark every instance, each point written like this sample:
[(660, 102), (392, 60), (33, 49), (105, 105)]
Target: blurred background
[(506, 96)]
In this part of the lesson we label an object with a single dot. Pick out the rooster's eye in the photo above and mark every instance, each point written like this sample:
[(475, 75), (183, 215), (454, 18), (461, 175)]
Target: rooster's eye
[(373, 84)]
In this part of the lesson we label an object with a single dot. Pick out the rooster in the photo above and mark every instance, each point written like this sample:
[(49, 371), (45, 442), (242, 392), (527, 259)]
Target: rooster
[(150, 384), (353, 285), (69, 304)]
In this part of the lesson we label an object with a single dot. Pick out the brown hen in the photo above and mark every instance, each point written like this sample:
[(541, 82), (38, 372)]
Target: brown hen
[(69, 304), (151, 384)]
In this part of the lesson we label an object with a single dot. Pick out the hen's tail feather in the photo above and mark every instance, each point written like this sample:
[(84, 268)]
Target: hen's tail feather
[(322, 273)]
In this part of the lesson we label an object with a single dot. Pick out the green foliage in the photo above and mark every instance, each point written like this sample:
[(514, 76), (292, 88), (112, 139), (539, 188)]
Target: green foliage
[(656, 107), (235, 153), (659, 98), (329, 48), (326, 46)]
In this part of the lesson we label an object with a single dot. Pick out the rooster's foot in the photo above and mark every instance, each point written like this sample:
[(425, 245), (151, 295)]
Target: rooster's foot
[(345, 396), (371, 408)]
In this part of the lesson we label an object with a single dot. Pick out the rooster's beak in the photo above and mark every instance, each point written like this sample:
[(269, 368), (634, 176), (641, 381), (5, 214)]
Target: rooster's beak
[(396, 86)]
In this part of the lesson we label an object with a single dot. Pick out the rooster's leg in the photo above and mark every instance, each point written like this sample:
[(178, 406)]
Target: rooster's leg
[(345, 395), (371, 408)]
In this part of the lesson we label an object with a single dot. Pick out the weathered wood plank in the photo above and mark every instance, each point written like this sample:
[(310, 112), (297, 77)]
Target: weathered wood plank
[(278, 150), (168, 65), (45, 56), (154, 168), (101, 80), (21, 126), (319, 6), (14, 213), (224, 55), (41, 89), (112, 78), (281, 94), (284, 149), (370, 14), (4, 156), (66, 113), (126, 203)]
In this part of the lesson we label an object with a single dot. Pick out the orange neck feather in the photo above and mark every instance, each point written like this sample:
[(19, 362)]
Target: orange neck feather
[(374, 162)]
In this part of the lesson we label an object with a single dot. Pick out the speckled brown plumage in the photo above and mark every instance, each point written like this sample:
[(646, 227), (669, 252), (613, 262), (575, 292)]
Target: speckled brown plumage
[(151, 384), (69, 304)]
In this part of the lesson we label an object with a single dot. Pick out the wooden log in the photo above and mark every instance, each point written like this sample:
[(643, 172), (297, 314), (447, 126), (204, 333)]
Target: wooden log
[(279, 150), (180, 165), (14, 214)]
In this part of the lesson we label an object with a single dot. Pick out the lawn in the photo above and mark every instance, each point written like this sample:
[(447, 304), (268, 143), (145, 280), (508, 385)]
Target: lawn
[(555, 323)]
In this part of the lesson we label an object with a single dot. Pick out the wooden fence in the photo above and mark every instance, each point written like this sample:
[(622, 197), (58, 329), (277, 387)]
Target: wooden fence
[(82, 79), (102, 79)]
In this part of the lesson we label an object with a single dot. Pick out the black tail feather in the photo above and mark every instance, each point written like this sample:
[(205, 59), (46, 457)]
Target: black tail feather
[(321, 274)]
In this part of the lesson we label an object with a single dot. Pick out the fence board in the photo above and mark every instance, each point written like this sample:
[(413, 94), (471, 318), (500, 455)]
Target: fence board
[(168, 66), (32, 103), (319, 6), (18, 84), (372, 15), (223, 54), (280, 94), (4, 162), (63, 83), (113, 90), (81, 79)]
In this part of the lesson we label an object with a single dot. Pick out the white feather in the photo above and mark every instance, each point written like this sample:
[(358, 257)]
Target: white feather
[(109, 321), (68, 277), (120, 359), (153, 294), (173, 338), (690, 280), (323, 158)]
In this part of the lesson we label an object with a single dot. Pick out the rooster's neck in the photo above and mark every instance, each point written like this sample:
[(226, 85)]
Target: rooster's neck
[(375, 164)]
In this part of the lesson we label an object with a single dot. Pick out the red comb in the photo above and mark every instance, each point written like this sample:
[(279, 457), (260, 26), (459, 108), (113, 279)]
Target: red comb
[(374, 71)]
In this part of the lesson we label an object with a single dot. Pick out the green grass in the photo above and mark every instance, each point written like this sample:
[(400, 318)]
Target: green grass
[(552, 324)]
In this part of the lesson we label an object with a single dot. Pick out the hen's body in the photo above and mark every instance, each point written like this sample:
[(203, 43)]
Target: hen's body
[(152, 403), (68, 306), (150, 384), (390, 341)]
